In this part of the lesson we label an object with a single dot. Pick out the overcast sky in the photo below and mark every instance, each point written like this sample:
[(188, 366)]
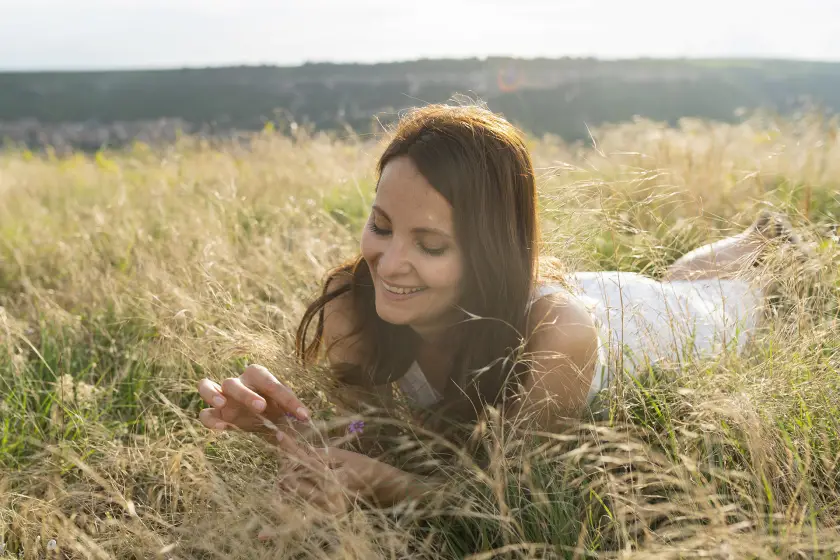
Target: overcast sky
[(102, 34)]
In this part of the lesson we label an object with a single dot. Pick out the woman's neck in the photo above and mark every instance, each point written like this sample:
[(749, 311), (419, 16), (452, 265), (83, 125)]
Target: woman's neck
[(436, 359), (442, 336), (438, 346), (440, 332)]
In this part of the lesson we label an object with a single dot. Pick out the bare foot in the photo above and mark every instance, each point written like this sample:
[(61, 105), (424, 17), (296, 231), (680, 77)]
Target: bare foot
[(775, 227)]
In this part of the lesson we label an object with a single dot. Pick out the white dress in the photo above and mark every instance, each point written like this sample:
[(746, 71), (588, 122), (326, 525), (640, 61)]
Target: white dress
[(643, 321)]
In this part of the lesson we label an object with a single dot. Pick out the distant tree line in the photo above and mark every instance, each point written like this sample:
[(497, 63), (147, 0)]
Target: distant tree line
[(559, 96)]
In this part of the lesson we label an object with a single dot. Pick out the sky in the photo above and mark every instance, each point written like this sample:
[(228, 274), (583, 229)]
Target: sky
[(118, 34)]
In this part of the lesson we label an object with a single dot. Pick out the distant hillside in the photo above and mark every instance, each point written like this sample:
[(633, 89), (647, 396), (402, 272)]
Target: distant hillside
[(560, 96)]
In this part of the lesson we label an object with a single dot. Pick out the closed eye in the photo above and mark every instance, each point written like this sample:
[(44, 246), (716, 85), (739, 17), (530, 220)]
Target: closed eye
[(434, 251), (384, 232), (378, 230)]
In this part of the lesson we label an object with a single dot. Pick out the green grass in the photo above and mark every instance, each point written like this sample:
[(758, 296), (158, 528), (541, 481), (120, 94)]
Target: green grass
[(126, 277)]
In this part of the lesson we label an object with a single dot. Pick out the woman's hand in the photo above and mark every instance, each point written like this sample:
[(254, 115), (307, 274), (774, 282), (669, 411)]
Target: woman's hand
[(334, 478), (245, 401), (331, 479)]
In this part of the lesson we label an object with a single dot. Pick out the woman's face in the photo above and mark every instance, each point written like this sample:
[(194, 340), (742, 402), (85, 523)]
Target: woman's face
[(409, 245)]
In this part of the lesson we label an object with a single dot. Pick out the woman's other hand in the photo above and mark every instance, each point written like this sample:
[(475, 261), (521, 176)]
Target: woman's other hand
[(246, 401), (333, 479)]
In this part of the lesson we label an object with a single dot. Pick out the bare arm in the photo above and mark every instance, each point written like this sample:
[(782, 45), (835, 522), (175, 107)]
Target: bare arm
[(562, 346)]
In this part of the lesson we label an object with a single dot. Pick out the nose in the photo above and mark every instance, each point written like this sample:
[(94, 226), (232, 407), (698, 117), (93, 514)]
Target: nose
[(393, 261)]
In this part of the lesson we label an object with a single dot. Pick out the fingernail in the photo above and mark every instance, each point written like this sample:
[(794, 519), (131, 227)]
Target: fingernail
[(258, 405), (220, 426), (280, 435), (218, 401), (302, 413)]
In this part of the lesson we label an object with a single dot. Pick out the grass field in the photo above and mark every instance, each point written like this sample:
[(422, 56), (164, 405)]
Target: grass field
[(126, 277)]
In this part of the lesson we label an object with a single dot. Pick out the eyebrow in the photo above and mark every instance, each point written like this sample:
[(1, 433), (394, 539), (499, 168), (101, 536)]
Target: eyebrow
[(414, 230)]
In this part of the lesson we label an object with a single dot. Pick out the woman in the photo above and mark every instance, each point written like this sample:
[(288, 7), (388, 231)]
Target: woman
[(445, 302)]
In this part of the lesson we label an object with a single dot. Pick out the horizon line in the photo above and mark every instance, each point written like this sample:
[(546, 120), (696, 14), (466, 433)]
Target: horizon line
[(232, 65)]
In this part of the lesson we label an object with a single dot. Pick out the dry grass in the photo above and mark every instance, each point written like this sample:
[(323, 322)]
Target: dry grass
[(126, 277)]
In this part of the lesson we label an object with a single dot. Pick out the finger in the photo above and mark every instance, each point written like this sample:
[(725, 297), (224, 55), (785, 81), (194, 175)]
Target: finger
[(266, 534), (263, 381), (352, 479), (300, 455), (210, 418), (303, 462), (289, 445), (312, 467), (318, 458), (326, 495), (332, 455), (311, 493), (211, 393), (298, 486), (235, 390)]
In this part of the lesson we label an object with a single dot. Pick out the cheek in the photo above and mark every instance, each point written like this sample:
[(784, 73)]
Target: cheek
[(442, 273), (368, 245)]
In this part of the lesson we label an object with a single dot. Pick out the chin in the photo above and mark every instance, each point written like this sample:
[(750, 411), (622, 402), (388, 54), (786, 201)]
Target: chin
[(393, 319), (394, 316)]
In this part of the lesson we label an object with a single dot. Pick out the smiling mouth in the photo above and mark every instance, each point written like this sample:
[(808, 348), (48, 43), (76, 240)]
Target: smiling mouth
[(400, 291)]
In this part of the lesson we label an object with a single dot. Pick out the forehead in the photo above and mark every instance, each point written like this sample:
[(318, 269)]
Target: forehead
[(406, 196)]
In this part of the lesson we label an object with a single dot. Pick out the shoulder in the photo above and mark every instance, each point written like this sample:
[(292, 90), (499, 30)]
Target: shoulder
[(559, 322), (561, 348)]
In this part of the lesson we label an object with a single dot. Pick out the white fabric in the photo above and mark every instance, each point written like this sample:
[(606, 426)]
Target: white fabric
[(642, 320), (660, 322), (417, 388)]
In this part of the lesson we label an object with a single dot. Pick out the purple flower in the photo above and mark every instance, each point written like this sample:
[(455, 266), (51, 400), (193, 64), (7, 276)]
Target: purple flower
[(356, 427)]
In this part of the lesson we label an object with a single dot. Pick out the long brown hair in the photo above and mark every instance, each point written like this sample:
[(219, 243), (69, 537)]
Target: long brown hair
[(479, 162)]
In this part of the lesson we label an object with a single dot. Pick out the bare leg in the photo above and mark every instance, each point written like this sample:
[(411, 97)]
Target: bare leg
[(733, 255)]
